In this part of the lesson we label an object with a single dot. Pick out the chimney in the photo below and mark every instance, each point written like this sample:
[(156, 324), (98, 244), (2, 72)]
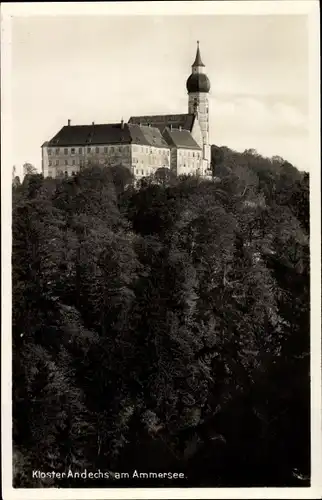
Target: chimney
[(93, 123), (122, 123), (69, 123)]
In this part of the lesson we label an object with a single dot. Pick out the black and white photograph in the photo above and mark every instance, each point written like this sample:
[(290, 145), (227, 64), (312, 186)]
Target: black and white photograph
[(161, 250)]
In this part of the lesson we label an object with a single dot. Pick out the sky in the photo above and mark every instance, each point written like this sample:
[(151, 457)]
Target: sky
[(105, 68)]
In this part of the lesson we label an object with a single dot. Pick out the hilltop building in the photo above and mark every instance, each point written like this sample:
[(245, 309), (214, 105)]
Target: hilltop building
[(178, 142)]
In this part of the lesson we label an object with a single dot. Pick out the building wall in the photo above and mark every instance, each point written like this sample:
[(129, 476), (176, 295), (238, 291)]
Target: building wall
[(147, 159), (201, 98), (141, 160), (59, 161), (189, 161), (174, 161), (44, 161), (196, 133)]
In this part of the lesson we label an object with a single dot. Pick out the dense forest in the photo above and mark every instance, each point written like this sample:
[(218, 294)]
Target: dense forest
[(163, 327)]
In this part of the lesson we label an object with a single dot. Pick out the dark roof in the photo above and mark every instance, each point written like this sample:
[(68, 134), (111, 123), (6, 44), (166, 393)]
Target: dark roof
[(80, 135), (151, 134), (198, 61), (185, 121), (180, 139), (114, 133), (198, 82)]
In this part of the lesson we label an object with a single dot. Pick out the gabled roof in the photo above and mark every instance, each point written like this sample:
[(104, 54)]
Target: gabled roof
[(82, 135), (112, 133), (180, 139), (184, 121), (152, 135)]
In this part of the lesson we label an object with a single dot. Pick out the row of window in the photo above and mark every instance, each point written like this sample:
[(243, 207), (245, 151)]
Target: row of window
[(66, 162), (105, 149), (144, 149), (146, 171), (60, 173), (96, 149), (140, 172), (152, 160), (192, 154)]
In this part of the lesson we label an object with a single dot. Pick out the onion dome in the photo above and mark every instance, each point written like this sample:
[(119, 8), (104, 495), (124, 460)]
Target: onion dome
[(198, 82)]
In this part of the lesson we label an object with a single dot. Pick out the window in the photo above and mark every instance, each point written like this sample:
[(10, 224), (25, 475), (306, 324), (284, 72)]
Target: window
[(142, 172), (49, 151), (50, 163), (73, 151), (80, 150), (57, 151), (57, 162), (88, 150), (73, 172), (97, 150), (50, 173), (120, 149), (112, 149), (66, 151), (66, 162), (105, 149), (74, 162), (66, 173)]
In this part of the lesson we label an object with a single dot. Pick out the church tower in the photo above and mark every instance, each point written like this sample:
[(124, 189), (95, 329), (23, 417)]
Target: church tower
[(198, 87)]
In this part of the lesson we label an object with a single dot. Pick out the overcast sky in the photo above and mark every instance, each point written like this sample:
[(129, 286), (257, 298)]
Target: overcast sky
[(103, 68)]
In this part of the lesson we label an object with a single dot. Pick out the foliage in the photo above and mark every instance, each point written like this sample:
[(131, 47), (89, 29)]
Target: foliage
[(163, 327), (29, 169)]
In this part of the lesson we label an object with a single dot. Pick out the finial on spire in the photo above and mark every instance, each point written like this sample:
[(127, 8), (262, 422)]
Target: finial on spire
[(198, 61)]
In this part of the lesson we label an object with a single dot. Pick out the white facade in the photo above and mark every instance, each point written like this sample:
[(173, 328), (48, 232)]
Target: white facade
[(141, 160), (186, 161), (146, 160)]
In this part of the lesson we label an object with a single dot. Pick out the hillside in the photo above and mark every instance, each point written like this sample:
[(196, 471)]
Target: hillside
[(164, 328)]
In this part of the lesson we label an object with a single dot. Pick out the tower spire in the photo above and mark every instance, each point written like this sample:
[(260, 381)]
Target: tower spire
[(198, 61)]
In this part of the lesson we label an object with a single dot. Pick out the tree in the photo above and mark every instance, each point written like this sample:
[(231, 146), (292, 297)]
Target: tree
[(165, 325), (29, 169)]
